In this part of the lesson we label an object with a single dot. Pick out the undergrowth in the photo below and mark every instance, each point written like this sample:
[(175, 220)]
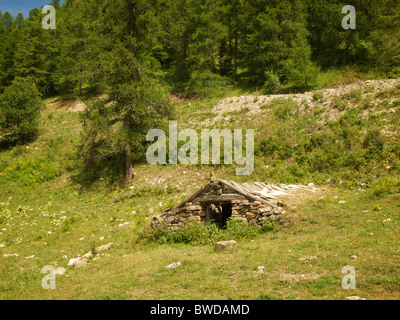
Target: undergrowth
[(204, 234)]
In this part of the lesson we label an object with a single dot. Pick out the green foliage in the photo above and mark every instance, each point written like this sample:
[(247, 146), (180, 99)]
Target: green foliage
[(299, 67), (29, 172), (352, 149), (318, 97), (272, 83), (5, 212), (20, 107), (197, 46), (385, 186), (204, 234)]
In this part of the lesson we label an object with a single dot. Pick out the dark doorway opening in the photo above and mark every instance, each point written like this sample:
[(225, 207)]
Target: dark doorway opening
[(219, 213)]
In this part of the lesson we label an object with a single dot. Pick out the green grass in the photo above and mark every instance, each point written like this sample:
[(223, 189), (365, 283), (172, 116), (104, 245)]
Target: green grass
[(45, 212)]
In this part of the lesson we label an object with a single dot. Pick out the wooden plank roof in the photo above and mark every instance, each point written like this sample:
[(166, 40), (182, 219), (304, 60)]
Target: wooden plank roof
[(255, 191)]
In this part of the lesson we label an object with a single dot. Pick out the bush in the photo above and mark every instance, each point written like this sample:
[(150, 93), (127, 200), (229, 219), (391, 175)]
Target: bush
[(395, 73), (318, 97), (272, 83), (19, 113), (386, 185), (203, 234)]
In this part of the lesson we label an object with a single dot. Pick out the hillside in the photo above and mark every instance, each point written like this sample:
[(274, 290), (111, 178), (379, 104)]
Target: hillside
[(345, 140)]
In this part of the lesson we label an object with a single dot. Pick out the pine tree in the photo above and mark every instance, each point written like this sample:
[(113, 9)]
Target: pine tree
[(36, 53), (19, 113), (116, 127), (300, 68)]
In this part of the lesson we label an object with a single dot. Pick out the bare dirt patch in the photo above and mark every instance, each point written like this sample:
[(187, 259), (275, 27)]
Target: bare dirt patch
[(71, 105)]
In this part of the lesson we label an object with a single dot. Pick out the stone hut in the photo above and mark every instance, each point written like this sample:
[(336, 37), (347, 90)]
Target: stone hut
[(220, 200)]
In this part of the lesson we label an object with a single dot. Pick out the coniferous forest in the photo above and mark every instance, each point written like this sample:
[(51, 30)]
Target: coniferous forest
[(189, 45), (136, 51)]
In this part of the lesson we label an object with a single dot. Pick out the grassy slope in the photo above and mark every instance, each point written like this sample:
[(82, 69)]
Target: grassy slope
[(41, 178)]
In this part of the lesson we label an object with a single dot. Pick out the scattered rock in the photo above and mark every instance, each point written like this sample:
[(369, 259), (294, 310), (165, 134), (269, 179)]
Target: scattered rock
[(101, 238), (2, 245), (173, 265), (354, 298), (342, 202), (387, 220), (104, 247), (77, 263), (260, 269), (88, 255), (354, 257), (30, 257), (123, 224), (308, 259), (81, 239), (225, 245), (10, 255), (59, 271)]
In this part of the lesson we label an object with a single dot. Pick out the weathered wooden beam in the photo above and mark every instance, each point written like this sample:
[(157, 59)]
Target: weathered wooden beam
[(220, 198)]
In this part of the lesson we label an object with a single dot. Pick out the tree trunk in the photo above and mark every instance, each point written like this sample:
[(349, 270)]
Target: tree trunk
[(236, 52), (80, 88), (128, 165)]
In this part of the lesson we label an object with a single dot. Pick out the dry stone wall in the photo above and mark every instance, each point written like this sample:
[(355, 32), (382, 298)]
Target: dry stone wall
[(253, 212)]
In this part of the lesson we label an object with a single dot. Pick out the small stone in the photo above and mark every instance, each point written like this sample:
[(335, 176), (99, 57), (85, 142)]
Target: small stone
[(30, 257), (354, 257), (101, 238), (81, 239), (225, 245), (354, 298), (10, 255), (309, 258), (173, 265), (87, 255), (77, 263), (104, 247), (59, 271), (2, 245), (342, 202), (387, 220)]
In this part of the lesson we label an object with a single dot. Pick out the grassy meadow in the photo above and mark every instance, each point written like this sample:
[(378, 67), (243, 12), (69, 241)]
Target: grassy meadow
[(346, 143)]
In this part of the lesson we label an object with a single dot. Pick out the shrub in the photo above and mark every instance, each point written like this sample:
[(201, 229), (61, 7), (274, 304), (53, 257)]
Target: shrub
[(386, 185), (272, 83), (5, 212), (19, 113), (203, 234), (318, 97), (395, 73), (374, 142), (339, 103)]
